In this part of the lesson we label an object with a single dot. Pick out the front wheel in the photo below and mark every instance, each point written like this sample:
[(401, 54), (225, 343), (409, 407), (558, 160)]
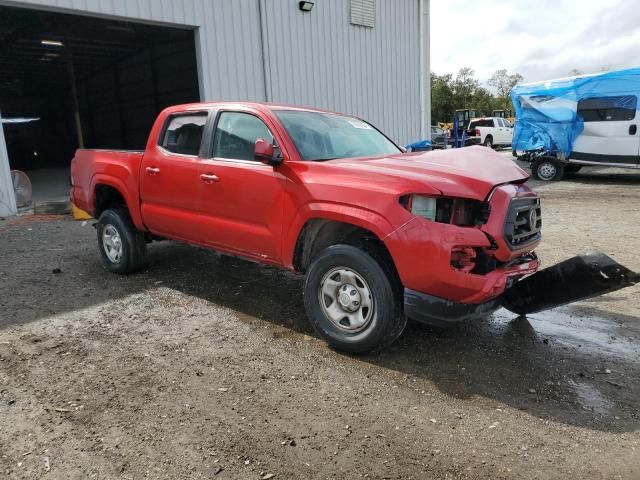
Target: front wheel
[(547, 170), (351, 301)]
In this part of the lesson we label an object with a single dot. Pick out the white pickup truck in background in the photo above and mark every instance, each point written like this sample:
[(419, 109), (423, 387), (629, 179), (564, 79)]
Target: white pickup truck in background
[(490, 132)]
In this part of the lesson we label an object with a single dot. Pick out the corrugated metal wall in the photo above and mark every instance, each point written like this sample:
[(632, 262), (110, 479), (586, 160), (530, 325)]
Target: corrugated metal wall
[(228, 33), (321, 59), (318, 59)]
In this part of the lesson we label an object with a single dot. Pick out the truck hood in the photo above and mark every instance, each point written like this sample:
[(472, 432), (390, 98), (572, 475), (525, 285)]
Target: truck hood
[(470, 172)]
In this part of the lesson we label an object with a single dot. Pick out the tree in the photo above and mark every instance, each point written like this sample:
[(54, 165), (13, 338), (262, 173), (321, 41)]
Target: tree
[(503, 83), (483, 101), (442, 100), (464, 86), (449, 93)]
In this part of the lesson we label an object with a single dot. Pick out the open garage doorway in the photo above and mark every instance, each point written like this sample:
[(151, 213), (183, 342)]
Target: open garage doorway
[(69, 81)]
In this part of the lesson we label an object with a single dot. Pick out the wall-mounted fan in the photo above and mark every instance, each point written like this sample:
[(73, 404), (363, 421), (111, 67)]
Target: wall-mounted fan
[(22, 188)]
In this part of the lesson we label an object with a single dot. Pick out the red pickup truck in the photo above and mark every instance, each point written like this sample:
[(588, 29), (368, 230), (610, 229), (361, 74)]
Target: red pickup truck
[(381, 235)]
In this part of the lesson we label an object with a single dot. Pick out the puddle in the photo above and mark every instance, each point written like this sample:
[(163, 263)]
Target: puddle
[(578, 330), (591, 398)]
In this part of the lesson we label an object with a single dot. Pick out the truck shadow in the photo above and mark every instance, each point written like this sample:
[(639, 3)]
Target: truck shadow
[(551, 366)]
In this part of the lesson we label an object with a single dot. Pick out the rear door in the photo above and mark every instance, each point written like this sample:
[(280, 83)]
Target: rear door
[(504, 136), (508, 130), (610, 132), (170, 178), (498, 131), (242, 198)]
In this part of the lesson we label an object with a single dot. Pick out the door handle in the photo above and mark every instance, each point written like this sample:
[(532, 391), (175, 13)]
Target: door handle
[(152, 170), (633, 129), (209, 178)]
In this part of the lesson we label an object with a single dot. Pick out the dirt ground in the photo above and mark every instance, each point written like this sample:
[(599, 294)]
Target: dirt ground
[(204, 366)]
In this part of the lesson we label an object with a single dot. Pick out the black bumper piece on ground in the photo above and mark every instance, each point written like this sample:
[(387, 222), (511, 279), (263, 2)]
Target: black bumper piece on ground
[(583, 276)]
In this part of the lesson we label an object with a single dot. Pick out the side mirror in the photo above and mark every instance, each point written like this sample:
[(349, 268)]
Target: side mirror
[(266, 153)]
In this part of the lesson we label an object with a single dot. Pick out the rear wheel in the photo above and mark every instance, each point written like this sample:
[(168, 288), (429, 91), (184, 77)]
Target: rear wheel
[(488, 141), (122, 247), (547, 170), (351, 301)]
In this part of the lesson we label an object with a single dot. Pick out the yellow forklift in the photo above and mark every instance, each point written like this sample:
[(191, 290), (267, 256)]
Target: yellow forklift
[(506, 114)]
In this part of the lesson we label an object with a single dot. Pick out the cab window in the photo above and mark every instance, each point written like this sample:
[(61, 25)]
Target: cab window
[(608, 109), (183, 133), (236, 135)]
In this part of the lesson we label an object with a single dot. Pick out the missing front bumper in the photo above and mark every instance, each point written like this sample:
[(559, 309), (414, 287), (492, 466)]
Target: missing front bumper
[(581, 277)]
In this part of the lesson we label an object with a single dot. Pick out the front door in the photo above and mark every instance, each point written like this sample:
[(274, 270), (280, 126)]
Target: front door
[(611, 133), (242, 199), (170, 178)]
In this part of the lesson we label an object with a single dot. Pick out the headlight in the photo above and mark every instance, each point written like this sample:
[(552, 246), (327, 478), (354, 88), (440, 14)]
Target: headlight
[(457, 211), (424, 207)]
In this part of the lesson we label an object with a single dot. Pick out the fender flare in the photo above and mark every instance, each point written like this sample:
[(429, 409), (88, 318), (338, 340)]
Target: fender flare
[(130, 198), (359, 217)]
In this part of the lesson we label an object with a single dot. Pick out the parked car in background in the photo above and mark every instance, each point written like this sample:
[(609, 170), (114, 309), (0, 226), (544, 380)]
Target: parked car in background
[(438, 138), (490, 132)]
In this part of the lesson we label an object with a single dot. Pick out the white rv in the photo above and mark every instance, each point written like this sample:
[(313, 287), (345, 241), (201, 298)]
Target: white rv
[(590, 120)]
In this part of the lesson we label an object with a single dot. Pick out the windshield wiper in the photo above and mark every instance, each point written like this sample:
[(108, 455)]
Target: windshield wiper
[(324, 159)]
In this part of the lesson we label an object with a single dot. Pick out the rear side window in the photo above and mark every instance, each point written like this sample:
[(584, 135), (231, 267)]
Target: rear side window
[(236, 135), (183, 133), (608, 109), (485, 122)]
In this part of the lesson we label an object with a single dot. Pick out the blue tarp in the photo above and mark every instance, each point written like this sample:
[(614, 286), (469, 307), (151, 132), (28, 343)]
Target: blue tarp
[(546, 112), (422, 145)]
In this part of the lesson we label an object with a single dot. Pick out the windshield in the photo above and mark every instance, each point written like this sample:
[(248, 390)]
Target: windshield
[(326, 136)]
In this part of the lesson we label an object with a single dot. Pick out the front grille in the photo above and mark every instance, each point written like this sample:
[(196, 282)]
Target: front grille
[(523, 221)]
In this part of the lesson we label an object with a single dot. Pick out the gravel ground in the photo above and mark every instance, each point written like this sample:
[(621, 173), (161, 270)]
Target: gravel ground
[(204, 366)]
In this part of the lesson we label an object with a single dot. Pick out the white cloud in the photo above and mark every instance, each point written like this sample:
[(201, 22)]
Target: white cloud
[(540, 40)]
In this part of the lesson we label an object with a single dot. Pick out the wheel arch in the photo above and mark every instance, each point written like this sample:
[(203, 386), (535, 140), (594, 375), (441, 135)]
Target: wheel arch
[(107, 192), (319, 233)]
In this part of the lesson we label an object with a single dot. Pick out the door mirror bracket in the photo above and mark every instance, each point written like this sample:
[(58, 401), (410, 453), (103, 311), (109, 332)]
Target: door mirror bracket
[(267, 153)]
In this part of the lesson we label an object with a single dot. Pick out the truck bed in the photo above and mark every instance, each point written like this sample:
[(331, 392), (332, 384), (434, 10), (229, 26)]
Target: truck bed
[(114, 167)]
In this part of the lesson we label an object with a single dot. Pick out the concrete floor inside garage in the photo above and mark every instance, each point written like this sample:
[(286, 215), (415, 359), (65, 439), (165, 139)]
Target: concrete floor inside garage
[(70, 81)]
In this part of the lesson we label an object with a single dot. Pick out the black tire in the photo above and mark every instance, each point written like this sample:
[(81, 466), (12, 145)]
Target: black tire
[(132, 242), (547, 170), (488, 141), (387, 318)]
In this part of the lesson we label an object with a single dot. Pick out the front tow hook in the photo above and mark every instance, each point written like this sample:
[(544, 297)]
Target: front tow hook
[(584, 276)]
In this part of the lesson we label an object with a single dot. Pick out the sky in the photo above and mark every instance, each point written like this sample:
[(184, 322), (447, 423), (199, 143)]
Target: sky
[(540, 39)]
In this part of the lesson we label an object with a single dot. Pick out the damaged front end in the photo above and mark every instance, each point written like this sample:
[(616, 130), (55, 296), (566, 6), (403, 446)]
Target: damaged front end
[(581, 277), (478, 278), (584, 276)]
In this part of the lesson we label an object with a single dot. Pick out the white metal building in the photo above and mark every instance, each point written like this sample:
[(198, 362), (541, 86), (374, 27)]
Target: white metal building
[(96, 72)]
